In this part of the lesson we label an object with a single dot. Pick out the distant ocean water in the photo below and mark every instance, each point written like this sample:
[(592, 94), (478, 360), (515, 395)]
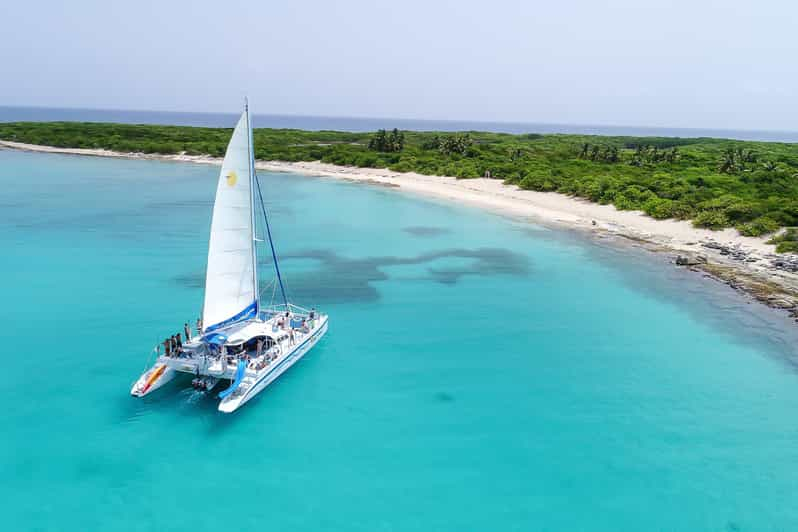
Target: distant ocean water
[(480, 373), (315, 123)]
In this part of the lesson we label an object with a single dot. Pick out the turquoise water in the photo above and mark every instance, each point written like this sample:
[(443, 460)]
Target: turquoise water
[(479, 373)]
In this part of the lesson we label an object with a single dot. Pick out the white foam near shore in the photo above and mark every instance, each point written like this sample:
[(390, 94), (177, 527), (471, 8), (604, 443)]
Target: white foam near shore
[(494, 195)]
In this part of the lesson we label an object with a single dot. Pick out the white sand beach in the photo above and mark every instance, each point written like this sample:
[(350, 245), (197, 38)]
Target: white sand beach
[(754, 258)]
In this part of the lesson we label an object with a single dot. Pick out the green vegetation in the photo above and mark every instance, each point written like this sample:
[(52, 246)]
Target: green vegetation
[(447, 145), (384, 142), (716, 183), (786, 242)]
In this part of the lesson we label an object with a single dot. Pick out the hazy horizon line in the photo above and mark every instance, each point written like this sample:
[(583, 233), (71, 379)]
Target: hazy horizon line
[(409, 119)]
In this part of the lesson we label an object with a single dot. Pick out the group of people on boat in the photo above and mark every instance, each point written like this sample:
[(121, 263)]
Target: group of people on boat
[(262, 360), (173, 345), (285, 322)]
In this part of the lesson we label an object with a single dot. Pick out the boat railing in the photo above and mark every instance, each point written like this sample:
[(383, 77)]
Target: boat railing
[(282, 307)]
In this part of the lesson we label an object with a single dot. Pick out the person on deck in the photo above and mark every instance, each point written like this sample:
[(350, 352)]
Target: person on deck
[(259, 349), (187, 331), (199, 326), (167, 347), (179, 342)]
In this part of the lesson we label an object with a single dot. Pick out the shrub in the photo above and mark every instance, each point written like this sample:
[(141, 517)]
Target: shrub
[(787, 247), (590, 188), (760, 226), (366, 160), (741, 211), (711, 220), (659, 208), (541, 181), (681, 210), (633, 197), (786, 242)]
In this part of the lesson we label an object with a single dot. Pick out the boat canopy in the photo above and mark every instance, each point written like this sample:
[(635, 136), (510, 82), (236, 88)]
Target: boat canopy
[(248, 331), (215, 338)]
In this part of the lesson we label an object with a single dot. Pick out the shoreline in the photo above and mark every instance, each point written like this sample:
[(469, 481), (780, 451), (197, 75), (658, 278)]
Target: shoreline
[(746, 264)]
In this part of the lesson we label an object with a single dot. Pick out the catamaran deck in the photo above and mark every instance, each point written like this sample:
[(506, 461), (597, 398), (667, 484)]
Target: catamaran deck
[(219, 352), (250, 354)]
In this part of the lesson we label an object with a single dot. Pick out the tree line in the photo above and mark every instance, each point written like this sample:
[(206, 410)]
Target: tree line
[(716, 183)]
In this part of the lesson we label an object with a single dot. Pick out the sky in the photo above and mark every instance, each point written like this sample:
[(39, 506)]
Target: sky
[(701, 63)]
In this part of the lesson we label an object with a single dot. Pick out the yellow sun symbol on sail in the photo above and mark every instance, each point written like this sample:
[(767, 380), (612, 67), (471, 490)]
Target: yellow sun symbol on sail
[(231, 178)]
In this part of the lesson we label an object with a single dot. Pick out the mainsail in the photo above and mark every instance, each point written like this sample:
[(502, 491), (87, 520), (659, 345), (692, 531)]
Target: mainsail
[(231, 279)]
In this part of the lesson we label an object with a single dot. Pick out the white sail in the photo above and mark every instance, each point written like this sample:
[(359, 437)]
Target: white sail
[(230, 280)]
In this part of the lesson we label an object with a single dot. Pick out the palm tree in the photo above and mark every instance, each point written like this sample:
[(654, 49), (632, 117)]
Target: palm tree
[(728, 162)]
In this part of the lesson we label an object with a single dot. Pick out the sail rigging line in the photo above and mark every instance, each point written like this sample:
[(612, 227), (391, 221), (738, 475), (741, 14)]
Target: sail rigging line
[(271, 242), (273, 286), (270, 286)]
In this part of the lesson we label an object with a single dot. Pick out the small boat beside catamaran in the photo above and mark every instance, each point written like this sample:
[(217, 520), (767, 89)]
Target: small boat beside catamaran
[(240, 339)]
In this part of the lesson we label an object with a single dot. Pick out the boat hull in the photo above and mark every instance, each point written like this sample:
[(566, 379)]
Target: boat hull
[(153, 379), (208, 370), (236, 401)]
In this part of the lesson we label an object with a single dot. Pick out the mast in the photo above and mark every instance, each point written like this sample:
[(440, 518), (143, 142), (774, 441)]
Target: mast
[(256, 183), (252, 181)]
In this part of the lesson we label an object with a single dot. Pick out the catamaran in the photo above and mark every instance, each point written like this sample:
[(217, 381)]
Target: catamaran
[(239, 339)]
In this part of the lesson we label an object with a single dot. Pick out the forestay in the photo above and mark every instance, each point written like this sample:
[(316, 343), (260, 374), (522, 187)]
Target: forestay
[(230, 280)]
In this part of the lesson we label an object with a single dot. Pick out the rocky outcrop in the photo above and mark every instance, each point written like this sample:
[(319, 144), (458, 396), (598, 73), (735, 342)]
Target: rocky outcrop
[(732, 252), (787, 263), (690, 259)]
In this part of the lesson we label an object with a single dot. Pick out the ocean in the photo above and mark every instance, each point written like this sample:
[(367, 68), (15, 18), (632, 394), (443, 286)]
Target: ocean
[(480, 372), (316, 123)]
